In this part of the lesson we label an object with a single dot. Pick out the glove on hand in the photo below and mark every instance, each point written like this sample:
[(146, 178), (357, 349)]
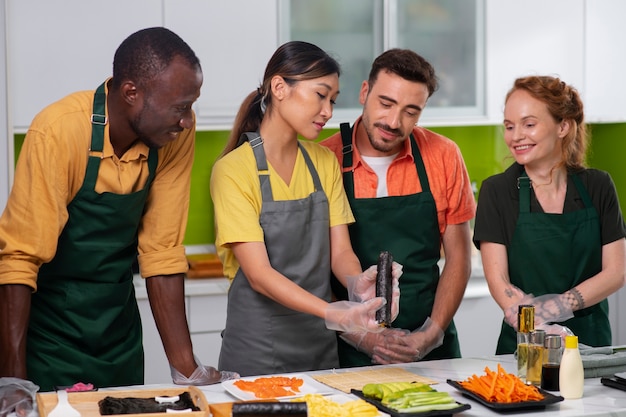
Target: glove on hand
[(552, 308), (365, 342), (410, 347), (352, 317), (203, 375), (363, 286), (17, 397)]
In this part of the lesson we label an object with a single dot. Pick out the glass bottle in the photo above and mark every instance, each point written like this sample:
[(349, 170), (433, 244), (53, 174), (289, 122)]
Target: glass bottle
[(535, 357), (551, 362), (526, 324)]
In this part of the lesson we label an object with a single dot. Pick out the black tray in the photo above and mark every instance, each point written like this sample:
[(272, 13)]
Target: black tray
[(396, 413), (503, 407)]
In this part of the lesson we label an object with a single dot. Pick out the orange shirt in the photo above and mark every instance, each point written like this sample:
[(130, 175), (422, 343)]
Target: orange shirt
[(51, 170), (447, 174)]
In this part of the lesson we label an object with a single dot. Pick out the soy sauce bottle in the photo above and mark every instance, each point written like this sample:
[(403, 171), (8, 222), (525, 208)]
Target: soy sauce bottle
[(551, 363)]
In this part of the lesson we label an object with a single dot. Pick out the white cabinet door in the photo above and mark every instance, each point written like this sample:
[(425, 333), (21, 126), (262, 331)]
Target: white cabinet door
[(6, 145), (478, 323), (58, 47), (605, 61), (234, 39), (207, 347), (157, 369), (532, 37)]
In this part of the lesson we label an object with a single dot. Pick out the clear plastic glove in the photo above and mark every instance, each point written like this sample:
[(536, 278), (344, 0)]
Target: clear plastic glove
[(552, 308), (17, 397), (410, 347), (511, 313), (363, 286), (365, 342), (353, 317), (203, 375)]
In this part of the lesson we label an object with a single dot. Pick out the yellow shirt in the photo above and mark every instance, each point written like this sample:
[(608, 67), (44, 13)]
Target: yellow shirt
[(236, 195), (50, 171)]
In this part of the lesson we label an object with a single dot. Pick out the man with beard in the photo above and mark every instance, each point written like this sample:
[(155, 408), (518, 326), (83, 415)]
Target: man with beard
[(103, 177), (410, 194)]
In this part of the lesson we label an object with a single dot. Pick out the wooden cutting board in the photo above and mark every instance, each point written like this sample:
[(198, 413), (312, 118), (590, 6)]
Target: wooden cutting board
[(87, 402), (204, 265), (346, 381)]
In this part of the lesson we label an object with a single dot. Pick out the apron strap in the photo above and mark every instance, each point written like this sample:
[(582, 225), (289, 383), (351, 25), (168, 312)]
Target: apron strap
[(98, 122), (256, 142), (523, 185), (348, 149), (582, 191)]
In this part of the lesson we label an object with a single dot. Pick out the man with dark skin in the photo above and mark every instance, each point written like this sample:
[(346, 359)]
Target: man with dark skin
[(101, 178)]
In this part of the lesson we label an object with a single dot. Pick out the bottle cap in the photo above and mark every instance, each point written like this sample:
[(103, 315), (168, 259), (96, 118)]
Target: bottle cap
[(537, 337), (571, 342), (553, 341), (526, 318)]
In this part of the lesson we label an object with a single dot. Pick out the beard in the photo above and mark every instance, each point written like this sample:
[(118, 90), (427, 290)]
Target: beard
[(381, 145)]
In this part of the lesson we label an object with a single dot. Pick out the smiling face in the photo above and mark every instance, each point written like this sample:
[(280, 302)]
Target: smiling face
[(166, 104), (306, 105), (391, 108), (531, 133)]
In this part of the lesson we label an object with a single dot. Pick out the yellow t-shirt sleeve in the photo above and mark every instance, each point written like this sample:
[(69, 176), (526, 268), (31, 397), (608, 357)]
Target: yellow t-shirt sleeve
[(237, 200)]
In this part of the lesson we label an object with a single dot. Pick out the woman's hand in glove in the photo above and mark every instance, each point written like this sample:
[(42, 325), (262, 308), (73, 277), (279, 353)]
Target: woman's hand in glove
[(410, 347), (203, 375), (363, 287), (353, 317), (553, 308)]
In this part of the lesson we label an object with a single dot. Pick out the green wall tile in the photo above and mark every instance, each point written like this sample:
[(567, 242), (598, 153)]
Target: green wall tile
[(483, 149)]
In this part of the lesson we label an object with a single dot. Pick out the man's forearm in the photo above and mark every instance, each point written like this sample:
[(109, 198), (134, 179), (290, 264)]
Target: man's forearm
[(14, 315), (167, 301)]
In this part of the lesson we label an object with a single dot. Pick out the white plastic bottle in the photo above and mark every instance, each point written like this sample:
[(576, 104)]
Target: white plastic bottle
[(571, 373)]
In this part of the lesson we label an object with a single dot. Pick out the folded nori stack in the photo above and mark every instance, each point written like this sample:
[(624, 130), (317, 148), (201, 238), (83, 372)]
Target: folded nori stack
[(130, 405)]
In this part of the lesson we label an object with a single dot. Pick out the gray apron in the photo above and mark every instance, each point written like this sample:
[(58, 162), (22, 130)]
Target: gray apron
[(265, 337)]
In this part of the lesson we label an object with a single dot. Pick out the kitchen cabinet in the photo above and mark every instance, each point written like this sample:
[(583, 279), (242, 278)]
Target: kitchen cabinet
[(532, 37), (6, 145), (206, 301), (574, 39), (55, 48), (605, 35), (448, 34)]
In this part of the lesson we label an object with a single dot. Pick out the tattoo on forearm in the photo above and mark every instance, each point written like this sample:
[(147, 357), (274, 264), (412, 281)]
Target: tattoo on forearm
[(575, 299), (509, 293)]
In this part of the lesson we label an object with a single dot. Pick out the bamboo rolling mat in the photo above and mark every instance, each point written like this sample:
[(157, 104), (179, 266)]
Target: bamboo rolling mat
[(346, 381)]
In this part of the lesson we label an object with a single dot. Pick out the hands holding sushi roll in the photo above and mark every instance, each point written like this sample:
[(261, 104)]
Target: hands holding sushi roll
[(409, 347), (363, 287)]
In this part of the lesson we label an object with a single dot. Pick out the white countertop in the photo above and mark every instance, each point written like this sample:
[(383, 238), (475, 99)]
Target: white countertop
[(598, 400)]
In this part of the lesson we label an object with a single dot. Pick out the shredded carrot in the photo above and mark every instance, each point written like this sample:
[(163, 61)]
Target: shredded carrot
[(271, 387), (501, 387)]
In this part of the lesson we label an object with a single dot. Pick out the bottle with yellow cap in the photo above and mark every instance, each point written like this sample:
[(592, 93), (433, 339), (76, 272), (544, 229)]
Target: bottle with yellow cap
[(571, 373)]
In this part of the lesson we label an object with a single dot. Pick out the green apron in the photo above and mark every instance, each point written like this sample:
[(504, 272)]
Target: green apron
[(406, 226), (84, 323), (552, 253)]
